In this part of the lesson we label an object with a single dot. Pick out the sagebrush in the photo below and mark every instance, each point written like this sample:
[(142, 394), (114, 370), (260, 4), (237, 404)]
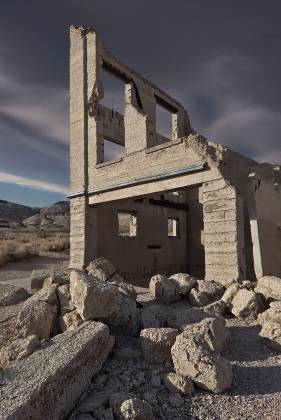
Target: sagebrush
[(20, 244)]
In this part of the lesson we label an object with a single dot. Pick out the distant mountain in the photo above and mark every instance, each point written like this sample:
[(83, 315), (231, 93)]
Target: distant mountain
[(53, 217), (14, 213)]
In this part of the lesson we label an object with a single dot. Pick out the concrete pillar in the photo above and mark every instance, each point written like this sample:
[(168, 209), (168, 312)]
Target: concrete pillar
[(83, 223), (223, 232)]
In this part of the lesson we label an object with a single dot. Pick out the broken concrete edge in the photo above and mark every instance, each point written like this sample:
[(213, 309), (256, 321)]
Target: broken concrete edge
[(49, 382)]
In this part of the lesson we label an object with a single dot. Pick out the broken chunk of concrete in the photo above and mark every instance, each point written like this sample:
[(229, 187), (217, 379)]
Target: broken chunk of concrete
[(50, 381), (136, 409), (198, 299), (247, 304), (230, 292), (18, 350), (195, 356), (164, 290), (64, 299), (38, 277), (271, 333), (178, 384), (126, 289), (69, 321), (185, 282), (273, 313), (213, 290), (102, 269), (217, 308), (269, 287), (11, 295), (125, 319), (35, 318), (157, 343), (92, 298)]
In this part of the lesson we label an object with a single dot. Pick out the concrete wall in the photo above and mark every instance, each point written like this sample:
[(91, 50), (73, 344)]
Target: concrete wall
[(151, 251), (195, 232), (223, 232), (266, 224)]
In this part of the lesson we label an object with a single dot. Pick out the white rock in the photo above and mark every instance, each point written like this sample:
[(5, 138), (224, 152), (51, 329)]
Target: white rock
[(92, 298), (198, 299), (178, 384), (270, 287), (17, 350), (185, 282), (195, 356), (136, 409), (103, 270), (164, 290), (64, 299), (230, 292), (246, 304), (70, 321), (271, 333), (38, 313), (11, 295), (157, 343)]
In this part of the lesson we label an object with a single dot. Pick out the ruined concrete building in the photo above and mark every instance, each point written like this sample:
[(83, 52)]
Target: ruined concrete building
[(167, 205)]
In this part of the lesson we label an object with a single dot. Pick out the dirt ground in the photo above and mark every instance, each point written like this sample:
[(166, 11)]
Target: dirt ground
[(18, 273)]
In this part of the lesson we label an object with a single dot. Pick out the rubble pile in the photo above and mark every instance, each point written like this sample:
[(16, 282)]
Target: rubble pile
[(167, 346)]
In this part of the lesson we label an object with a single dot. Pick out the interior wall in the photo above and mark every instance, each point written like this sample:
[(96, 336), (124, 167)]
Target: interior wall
[(195, 233), (151, 251)]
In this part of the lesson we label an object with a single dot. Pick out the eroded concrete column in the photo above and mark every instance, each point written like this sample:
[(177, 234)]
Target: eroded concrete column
[(223, 232)]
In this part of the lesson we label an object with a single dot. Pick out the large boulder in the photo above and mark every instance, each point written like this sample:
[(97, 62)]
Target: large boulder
[(164, 290), (271, 333), (126, 289), (64, 299), (136, 409), (69, 321), (38, 277), (92, 298), (196, 356), (247, 304), (198, 299), (218, 308), (185, 282), (178, 315), (126, 317), (230, 292), (178, 384), (11, 295), (273, 313), (48, 384), (270, 287), (206, 292), (213, 290), (18, 350), (157, 343), (38, 314), (103, 270)]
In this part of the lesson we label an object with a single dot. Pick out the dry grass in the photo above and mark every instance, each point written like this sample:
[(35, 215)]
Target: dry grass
[(21, 244)]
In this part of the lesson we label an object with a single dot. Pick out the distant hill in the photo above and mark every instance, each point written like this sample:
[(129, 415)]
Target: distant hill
[(15, 213), (53, 217)]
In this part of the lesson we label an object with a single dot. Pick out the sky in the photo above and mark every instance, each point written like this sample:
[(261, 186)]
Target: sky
[(220, 59)]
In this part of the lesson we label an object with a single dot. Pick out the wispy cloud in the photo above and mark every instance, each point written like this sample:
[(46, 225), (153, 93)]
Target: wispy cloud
[(32, 183)]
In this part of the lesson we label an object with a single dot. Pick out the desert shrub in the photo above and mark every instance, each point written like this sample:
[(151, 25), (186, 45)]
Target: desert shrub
[(21, 244)]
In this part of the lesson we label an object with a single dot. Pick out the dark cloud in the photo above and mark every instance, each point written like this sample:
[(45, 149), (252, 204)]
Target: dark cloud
[(221, 59)]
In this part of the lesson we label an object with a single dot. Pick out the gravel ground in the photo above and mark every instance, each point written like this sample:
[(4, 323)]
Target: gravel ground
[(255, 393)]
